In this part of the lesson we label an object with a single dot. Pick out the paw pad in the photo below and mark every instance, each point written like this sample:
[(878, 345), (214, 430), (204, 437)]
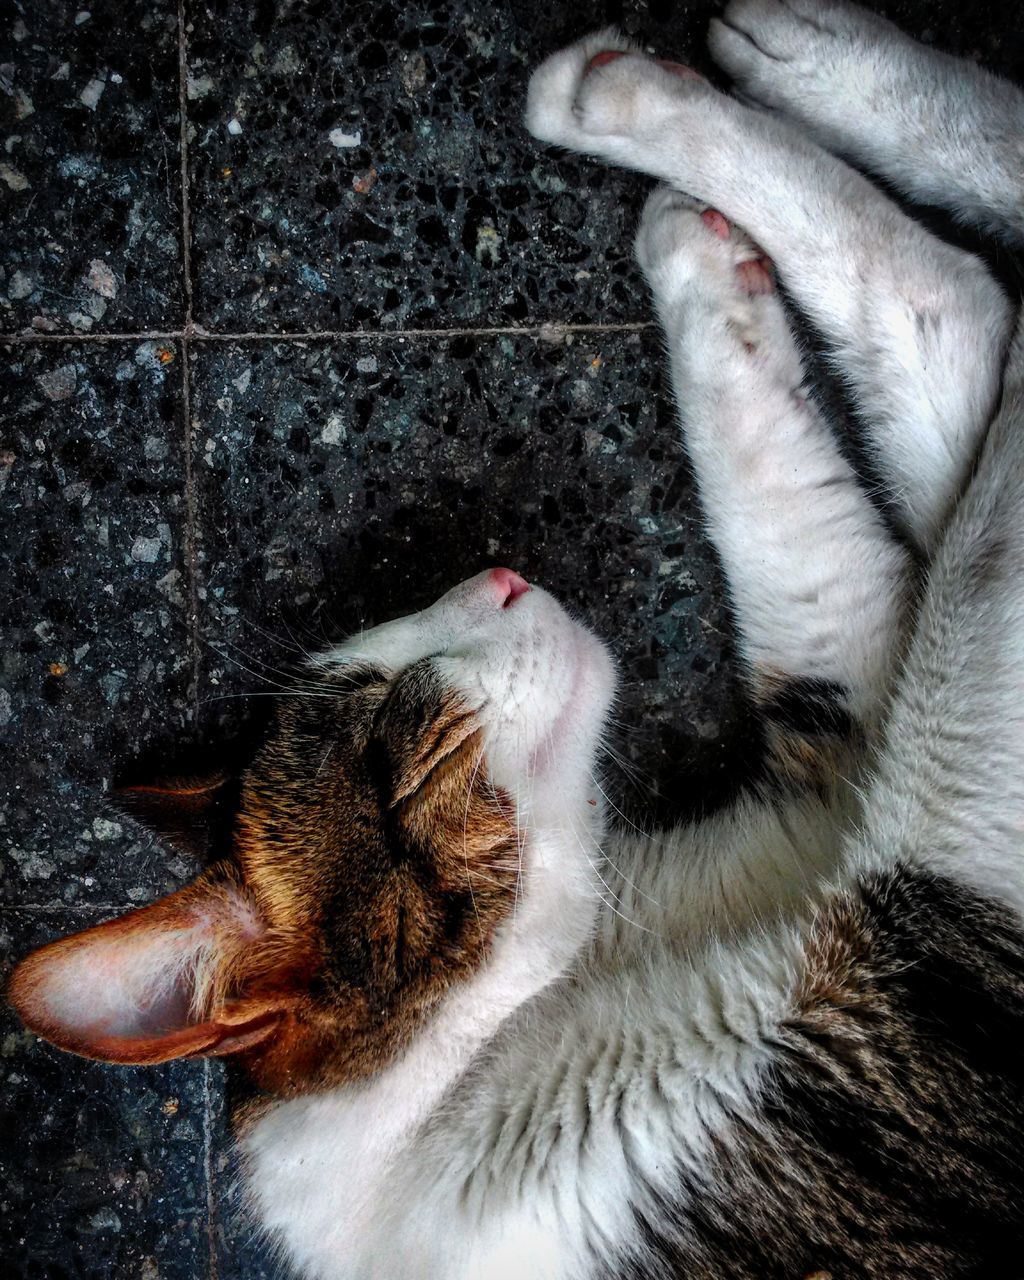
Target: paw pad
[(755, 276), (716, 222), (678, 69)]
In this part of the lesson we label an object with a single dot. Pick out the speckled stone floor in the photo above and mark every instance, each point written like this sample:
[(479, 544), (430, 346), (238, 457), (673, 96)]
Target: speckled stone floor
[(300, 328)]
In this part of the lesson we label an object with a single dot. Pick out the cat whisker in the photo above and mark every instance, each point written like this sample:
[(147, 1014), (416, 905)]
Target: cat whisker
[(290, 643), (327, 756), (639, 779), (615, 808)]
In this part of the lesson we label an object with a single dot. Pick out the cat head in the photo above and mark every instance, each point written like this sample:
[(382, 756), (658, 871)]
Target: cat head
[(420, 789)]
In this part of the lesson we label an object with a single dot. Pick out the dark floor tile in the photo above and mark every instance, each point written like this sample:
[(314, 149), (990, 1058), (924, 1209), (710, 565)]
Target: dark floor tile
[(95, 666), (990, 32), (102, 1169), (365, 165), (90, 171), (345, 484)]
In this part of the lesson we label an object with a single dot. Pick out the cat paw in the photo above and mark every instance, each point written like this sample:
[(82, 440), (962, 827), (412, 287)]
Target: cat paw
[(602, 88), (796, 55), (683, 246)]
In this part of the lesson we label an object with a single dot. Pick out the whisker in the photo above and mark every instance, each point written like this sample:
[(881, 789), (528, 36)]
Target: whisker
[(605, 856), (628, 821), (272, 636)]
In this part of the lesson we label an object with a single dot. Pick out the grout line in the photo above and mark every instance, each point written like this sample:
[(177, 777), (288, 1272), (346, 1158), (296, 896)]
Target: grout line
[(186, 210), (211, 1200), (191, 558), (35, 908), (194, 333), (76, 339), (191, 541), (554, 331)]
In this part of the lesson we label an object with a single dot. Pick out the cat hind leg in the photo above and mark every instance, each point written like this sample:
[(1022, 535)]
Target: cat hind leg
[(942, 129)]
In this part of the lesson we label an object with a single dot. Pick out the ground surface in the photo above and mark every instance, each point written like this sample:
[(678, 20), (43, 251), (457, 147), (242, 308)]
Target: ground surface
[(301, 330)]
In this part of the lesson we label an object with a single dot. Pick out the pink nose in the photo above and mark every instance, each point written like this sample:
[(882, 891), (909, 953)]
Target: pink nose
[(508, 586)]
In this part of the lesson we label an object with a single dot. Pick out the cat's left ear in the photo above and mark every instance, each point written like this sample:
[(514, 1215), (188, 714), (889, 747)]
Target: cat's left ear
[(185, 976), (190, 813)]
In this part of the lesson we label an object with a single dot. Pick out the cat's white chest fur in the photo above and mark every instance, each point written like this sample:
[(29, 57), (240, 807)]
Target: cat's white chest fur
[(522, 1158), (340, 1178)]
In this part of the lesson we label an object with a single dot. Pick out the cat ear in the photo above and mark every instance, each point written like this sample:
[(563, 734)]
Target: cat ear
[(143, 988), (188, 813)]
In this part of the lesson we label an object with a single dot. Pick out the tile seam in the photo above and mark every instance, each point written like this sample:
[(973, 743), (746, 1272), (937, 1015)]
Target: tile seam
[(186, 208), (195, 334), (183, 336), (211, 1200), (191, 552), (39, 908)]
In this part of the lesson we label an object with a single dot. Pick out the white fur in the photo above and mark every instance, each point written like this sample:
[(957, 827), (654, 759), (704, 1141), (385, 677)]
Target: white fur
[(949, 792), (918, 328), (626, 1015), (814, 576), (942, 129)]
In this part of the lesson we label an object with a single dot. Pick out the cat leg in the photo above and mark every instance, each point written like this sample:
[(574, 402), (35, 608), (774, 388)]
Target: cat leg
[(918, 327), (941, 129), (816, 581), (949, 791)]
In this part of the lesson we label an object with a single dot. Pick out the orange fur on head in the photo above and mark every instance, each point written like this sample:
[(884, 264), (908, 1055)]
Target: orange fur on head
[(371, 864)]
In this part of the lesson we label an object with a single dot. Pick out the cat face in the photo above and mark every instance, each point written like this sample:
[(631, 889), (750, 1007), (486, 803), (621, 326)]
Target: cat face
[(385, 831)]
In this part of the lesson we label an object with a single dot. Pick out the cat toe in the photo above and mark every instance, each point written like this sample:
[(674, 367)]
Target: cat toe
[(602, 87), (551, 113), (716, 222), (755, 276), (683, 244)]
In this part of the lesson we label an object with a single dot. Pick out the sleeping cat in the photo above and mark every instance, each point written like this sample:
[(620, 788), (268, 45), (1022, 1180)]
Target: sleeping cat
[(499, 1040)]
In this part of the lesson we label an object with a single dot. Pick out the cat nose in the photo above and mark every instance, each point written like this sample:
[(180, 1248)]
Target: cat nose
[(507, 586)]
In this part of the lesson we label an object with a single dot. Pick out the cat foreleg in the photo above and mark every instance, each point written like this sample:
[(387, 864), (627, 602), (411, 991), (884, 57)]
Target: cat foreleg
[(816, 582), (918, 327), (941, 129)]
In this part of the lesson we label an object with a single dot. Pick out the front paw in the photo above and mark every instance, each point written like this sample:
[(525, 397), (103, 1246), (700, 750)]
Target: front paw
[(601, 89), (683, 246), (803, 56)]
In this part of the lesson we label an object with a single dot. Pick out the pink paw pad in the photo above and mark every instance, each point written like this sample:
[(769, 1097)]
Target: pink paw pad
[(610, 55), (716, 222), (756, 276)]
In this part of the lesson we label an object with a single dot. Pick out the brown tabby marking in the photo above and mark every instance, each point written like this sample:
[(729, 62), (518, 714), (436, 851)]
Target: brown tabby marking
[(807, 729), (900, 1084), (381, 859), (370, 863)]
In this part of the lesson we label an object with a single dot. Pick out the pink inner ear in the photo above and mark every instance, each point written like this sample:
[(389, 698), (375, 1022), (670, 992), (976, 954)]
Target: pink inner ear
[(138, 983), (133, 990)]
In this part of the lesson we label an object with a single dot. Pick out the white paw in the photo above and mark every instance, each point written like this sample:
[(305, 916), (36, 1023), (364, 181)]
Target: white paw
[(683, 246), (802, 55), (600, 88)]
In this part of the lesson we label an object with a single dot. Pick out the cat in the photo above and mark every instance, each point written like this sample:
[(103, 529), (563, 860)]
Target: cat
[(499, 1038)]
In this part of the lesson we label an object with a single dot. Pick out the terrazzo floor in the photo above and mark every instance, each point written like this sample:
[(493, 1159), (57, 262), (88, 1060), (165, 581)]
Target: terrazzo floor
[(299, 328)]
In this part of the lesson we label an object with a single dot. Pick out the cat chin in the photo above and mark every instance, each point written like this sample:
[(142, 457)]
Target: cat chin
[(540, 682), (546, 689)]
